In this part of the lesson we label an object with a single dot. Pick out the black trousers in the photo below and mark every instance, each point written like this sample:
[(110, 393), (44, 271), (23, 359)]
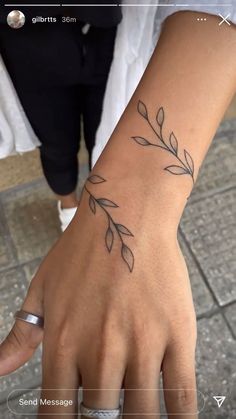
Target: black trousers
[(60, 75)]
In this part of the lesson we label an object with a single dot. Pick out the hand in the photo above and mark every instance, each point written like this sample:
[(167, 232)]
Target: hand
[(108, 328)]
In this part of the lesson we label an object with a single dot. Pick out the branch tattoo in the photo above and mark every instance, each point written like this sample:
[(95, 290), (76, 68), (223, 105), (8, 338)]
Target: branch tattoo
[(184, 166), (113, 229)]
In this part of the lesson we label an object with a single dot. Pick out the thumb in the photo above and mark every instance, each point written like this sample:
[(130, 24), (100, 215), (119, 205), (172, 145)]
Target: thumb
[(24, 338)]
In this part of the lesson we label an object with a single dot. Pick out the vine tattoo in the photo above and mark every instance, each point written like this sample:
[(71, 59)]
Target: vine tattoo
[(113, 229), (184, 166)]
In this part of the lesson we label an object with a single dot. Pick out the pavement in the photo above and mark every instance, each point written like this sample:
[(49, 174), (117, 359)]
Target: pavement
[(29, 226)]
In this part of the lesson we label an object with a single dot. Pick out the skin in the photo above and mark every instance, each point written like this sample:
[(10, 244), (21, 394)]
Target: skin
[(105, 327)]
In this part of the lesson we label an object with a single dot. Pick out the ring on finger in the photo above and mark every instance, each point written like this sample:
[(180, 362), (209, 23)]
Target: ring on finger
[(89, 412), (29, 318)]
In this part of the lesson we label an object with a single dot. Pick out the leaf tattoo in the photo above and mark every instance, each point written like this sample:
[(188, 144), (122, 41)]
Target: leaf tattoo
[(176, 170), (185, 166), (128, 256), (96, 179), (109, 238), (124, 230), (189, 160), (141, 141), (160, 117), (92, 204), (119, 229), (142, 109), (107, 202), (174, 143)]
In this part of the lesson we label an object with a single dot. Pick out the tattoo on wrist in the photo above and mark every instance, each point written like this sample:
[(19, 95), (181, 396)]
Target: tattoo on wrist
[(184, 166), (113, 229)]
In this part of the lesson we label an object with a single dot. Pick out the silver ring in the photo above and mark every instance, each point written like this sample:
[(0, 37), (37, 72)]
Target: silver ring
[(29, 318), (99, 413)]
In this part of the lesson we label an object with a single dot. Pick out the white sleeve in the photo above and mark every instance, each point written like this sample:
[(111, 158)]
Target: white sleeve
[(223, 9), (131, 54), (214, 7), (16, 133)]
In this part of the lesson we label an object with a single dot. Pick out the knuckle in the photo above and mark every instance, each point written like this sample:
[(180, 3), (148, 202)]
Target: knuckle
[(107, 350), (147, 336), (23, 336), (184, 330), (62, 342), (185, 397), (148, 341), (12, 341), (108, 354), (17, 337), (105, 364)]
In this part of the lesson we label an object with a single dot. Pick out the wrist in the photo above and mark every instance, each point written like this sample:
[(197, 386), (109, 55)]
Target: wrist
[(128, 230), (139, 180), (156, 202), (148, 209)]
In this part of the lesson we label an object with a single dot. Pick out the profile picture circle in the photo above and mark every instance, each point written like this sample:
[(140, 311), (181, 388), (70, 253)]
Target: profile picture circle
[(16, 19)]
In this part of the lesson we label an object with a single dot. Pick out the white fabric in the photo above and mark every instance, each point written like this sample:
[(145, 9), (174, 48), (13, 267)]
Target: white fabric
[(66, 215), (16, 134), (136, 38)]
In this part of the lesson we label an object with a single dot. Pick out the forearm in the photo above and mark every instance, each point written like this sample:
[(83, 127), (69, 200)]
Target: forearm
[(146, 172), (192, 76)]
